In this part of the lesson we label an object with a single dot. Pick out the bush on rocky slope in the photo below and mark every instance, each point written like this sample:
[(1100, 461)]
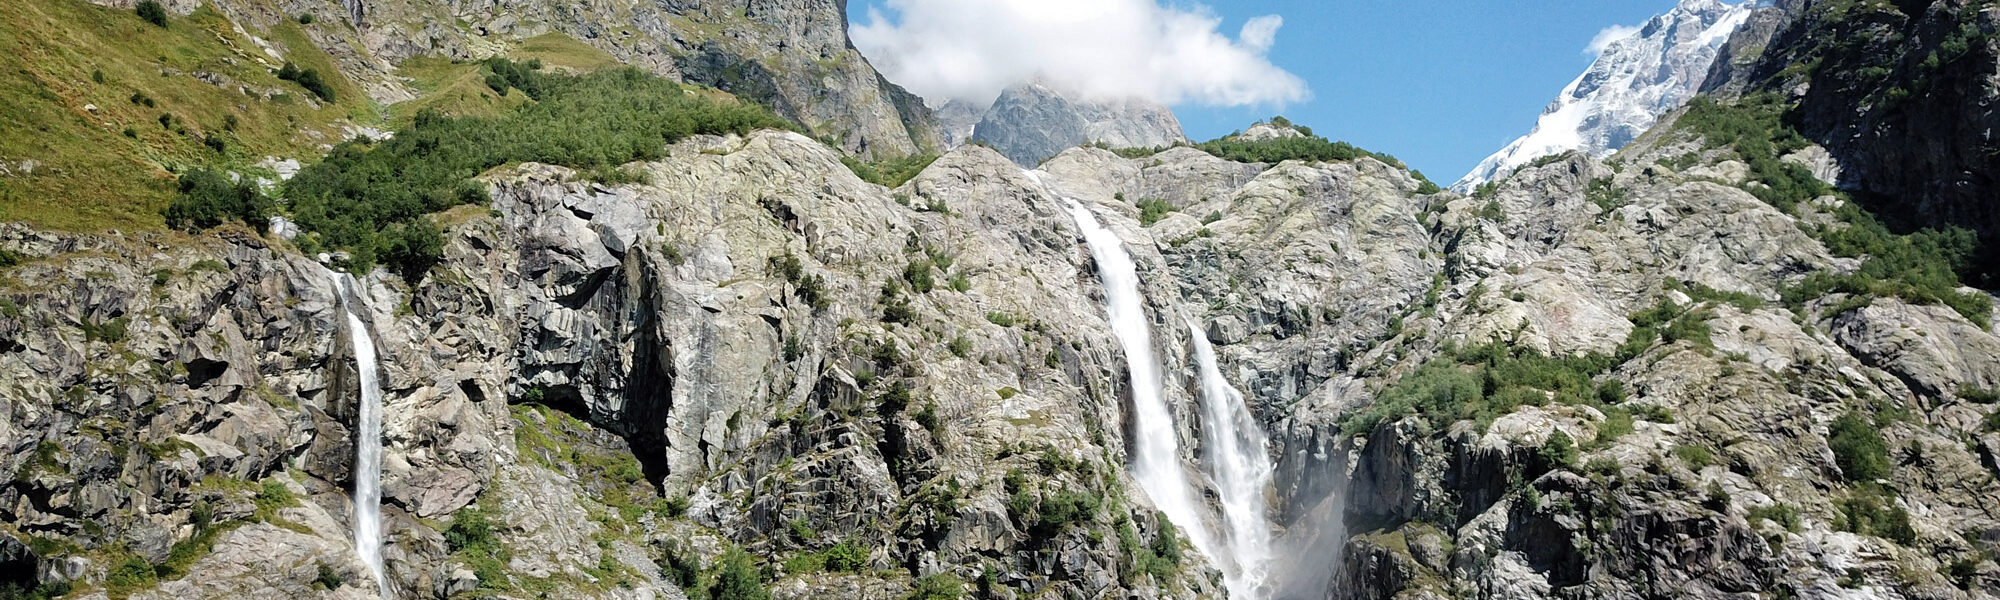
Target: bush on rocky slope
[(1483, 382), (1924, 266), (1307, 147), (367, 196)]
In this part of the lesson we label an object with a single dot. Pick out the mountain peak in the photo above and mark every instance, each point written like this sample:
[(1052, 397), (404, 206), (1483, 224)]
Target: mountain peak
[(1634, 80)]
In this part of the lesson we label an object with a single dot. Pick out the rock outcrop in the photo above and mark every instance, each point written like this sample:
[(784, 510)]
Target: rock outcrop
[(1902, 94), (1032, 121)]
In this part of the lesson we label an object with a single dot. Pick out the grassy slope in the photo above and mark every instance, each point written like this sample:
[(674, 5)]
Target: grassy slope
[(92, 175), (459, 88)]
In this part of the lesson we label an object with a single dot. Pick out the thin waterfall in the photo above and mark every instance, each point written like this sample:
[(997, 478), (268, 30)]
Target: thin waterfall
[(367, 441), (1156, 460), (1241, 470)]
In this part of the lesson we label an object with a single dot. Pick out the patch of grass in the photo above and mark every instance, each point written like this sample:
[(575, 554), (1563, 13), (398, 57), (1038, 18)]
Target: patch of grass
[(1696, 456), (52, 53), (560, 51), (890, 173), (937, 586), (472, 539), (844, 557), (1870, 511), (1606, 196), (110, 332), (128, 575), (1785, 515)]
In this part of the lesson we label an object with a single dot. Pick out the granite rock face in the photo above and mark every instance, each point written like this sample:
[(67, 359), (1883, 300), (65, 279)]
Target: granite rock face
[(1032, 121), (1902, 94)]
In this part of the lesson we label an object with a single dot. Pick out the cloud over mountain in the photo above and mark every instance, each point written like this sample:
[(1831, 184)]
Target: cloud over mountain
[(972, 49)]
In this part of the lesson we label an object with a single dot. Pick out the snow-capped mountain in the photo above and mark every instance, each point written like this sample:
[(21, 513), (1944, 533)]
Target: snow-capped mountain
[(1634, 80)]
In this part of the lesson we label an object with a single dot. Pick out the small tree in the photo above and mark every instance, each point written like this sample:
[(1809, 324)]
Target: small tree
[(152, 12), (738, 579)]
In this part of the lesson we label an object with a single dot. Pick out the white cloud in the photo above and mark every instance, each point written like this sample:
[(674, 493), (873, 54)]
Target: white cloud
[(1607, 36), (972, 49), (1260, 32)]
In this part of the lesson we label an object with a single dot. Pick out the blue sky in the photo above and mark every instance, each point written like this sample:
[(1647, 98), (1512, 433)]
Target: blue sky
[(1438, 83)]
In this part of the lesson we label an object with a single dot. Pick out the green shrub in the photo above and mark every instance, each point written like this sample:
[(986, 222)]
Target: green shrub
[(129, 575), (470, 530), (602, 119), (328, 579), (1559, 451), (472, 538), (918, 273), (738, 579), (208, 199), (112, 331), (412, 248), (1308, 148), (937, 586), (1977, 395), (152, 12), (1858, 448), (1869, 512), (1783, 514), (1425, 186), (1993, 422), (1167, 545), (1696, 456), (1152, 210), (309, 79), (305, 18)]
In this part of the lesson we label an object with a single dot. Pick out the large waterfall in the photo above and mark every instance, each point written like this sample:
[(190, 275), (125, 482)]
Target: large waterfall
[(1156, 459), (367, 441), (1241, 470)]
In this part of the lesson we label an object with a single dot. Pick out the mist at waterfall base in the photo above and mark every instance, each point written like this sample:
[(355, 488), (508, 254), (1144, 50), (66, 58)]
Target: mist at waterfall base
[(367, 440)]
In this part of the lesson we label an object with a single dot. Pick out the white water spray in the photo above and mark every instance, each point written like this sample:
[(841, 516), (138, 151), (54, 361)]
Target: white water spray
[(1241, 470), (1156, 461), (367, 443)]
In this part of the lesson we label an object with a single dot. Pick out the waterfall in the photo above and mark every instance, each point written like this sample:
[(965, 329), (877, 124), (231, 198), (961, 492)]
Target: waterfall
[(1241, 470), (1156, 461), (367, 442)]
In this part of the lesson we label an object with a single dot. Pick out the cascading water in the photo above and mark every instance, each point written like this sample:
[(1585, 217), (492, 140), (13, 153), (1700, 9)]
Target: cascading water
[(1241, 470), (1156, 461), (367, 443)]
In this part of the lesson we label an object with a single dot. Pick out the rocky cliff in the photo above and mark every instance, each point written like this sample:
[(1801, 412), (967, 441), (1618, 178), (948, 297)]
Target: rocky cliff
[(1690, 370), (1031, 122), (873, 389), (1902, 93), (791, 56)]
